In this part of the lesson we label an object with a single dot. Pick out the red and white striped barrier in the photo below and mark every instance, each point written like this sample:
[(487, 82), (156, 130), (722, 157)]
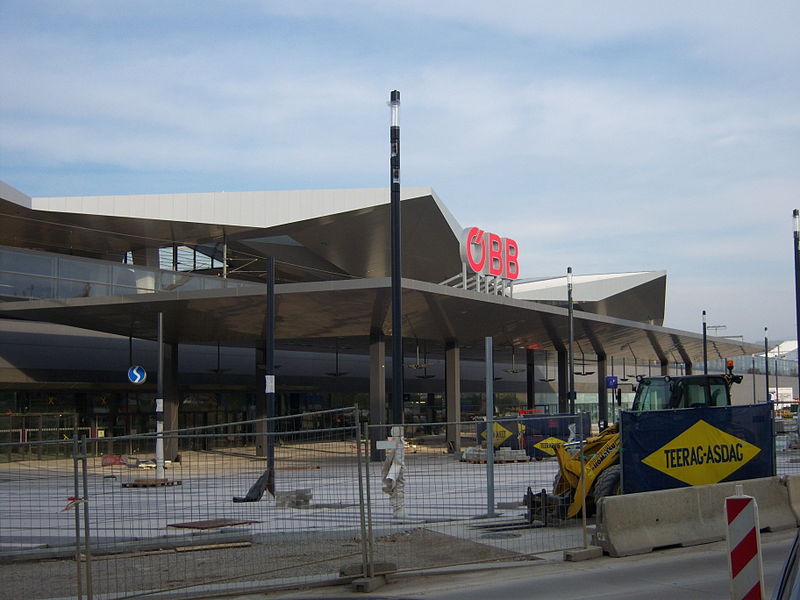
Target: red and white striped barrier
[(744, 547)]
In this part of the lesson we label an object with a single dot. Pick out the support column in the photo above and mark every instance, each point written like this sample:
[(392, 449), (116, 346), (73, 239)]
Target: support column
[(452, 357), (147, 257), (377, 393), (687, 368), (530, 383), (664, 368), (172, 399), (563, 381), (602, 391)]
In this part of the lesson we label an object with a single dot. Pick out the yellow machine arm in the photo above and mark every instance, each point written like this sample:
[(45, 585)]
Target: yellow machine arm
[(598, 453)]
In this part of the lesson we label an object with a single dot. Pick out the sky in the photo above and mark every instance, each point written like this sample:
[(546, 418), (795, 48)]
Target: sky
[(612, 136)]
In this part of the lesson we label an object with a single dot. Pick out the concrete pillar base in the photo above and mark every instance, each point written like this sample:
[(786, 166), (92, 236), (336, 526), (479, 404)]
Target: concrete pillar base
[(579, 554)]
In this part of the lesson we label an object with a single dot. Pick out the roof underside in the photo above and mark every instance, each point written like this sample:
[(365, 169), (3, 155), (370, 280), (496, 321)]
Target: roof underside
[(354, 309)]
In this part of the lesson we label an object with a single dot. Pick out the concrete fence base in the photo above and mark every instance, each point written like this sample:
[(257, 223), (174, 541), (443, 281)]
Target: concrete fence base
[(639, 523)]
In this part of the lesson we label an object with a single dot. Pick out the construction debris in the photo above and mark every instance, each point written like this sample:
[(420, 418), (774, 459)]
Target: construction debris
[(478, 455)]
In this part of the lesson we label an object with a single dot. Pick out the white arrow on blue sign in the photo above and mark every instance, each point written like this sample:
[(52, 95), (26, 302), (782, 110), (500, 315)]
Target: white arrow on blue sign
[(137, 375), (612, 382)]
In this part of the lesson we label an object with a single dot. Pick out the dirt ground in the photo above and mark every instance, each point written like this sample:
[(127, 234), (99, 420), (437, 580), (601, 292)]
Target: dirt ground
[(121, 575)]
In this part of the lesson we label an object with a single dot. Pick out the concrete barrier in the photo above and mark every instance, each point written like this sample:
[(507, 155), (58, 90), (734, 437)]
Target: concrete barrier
[(793, 485), (639, 523)]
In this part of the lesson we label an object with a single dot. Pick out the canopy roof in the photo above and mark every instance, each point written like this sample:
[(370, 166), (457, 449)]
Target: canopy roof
[(315, 314)]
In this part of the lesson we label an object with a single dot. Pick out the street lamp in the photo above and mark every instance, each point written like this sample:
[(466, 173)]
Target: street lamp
[(571, 387), (705, 345), (396, 265), (766, 363), (796, 217)]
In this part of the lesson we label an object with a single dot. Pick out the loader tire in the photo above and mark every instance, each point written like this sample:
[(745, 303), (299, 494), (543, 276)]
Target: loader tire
[(607, 483)]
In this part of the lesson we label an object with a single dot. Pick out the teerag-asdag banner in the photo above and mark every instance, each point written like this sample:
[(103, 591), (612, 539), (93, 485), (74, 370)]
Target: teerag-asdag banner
[(697, 446)]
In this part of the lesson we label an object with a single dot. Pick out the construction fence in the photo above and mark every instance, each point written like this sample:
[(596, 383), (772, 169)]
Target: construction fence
[(284, 502), (225, 520)]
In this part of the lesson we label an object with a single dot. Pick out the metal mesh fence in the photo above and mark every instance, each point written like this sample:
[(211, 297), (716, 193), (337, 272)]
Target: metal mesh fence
[(110, 528), (455, 512), (139, 535), (787, 446)]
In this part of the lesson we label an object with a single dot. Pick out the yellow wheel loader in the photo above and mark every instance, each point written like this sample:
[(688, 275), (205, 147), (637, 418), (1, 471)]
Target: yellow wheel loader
[(600, 454)]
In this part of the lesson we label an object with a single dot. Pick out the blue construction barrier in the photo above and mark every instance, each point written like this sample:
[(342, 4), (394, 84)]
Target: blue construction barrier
[(536, 434), (667, 449)]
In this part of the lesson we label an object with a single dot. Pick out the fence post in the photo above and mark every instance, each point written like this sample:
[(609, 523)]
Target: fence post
[(583, 480), (76, 494), (85, 504), (370, 535), (366, 566), (489, 358), (41, 437)]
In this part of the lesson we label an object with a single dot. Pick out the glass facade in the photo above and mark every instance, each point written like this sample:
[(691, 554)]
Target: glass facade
[(31, 275), (753, 364)]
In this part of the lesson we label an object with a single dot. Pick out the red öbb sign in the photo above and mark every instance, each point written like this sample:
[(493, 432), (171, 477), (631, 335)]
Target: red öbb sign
[(488, 253)]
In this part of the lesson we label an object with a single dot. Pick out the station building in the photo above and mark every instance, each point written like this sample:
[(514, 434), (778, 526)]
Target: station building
[(83, 281)]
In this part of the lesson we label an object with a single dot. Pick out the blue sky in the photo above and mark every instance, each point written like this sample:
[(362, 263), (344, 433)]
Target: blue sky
[(606, 136)]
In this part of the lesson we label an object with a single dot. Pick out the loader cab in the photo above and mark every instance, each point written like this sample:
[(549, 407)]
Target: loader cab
[(691, 391)]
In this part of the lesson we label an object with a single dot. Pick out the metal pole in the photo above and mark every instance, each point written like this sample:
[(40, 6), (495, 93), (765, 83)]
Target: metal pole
[(269, 363), (370, 532), (160, 401), (766, 364), (397, 291), (796, 217), (753, 375), (776, 375), (87, 538), (705, 345), (584, 527), (489, 429), (225, 256), (570, 360), (361, 499), (77, 494)]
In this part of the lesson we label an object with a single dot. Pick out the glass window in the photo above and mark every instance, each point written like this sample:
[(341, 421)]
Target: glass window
[(191, 284), (27, 262), (26, 286), (703, 393), (125, 276), (82, 270), (719, 394), (172, 281), (80, 289), (123, 290), (653, 395), (694, 395), (135, 277)]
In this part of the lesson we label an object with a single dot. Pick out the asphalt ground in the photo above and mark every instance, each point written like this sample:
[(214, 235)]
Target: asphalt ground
[(686, 573)]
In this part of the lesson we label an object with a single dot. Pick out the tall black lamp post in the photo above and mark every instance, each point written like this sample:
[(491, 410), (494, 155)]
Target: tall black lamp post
[(397, 291), (571, 367), (796, 216), (705, 345), (766, 364)]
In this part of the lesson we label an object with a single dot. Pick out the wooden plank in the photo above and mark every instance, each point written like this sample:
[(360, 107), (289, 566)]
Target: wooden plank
[(210, 524)]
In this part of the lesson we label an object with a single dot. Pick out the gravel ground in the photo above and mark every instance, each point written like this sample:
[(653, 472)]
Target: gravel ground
[(170, 569)]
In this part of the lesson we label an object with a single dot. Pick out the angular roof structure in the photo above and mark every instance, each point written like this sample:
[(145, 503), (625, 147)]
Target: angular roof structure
[(634, 296), (332, 253)]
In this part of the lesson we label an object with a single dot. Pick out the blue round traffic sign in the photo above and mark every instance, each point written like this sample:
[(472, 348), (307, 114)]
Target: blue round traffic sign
[(137, 375)]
